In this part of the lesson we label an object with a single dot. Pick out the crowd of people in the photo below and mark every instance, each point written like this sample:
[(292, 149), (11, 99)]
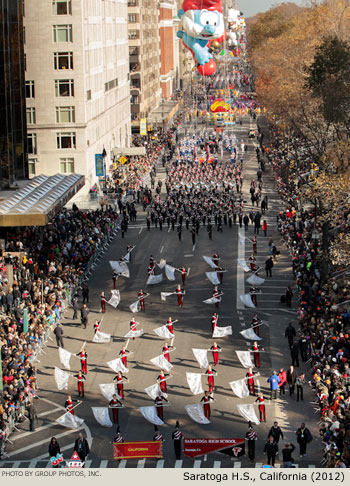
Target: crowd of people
[(324, 321), (39, 270)]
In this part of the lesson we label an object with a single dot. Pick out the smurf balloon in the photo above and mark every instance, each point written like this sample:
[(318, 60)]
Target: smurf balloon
[(202, 21)]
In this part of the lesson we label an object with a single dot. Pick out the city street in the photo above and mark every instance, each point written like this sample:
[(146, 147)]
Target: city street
[(193, 330)]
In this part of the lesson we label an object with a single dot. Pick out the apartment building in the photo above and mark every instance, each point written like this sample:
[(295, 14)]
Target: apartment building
[(77, 85), (169, 48), (145, 60)]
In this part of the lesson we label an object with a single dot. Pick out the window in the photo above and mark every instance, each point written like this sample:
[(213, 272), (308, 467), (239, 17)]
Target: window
[(23, 8), (63, 60), (64, 87), (62, 33), (133, 51), (25, 62), (61, 7), (132, 18), (133, 34), (24, 35), (31, 166), (135, 99), (88, 95), (65, 114), (111, 84), (31, 118), (67, 166), (30, 91), (66, 140), (32, 147)]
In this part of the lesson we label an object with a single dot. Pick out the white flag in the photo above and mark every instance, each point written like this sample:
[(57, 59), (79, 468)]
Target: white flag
[(164, 332), (201, 357), (247, 411), (117, 365), (153, 391), (212, 300), (209, 261), (170, 272), (222, 331), (255, 280), (154, 279), (161, 362), (162, 263), (108, 390), (242, 240), (243, 264), (126, 257), (196, 413), (245, 358), (239, 388), (247, 300), (194, 381), (164, 295), (134, 334), (115, 298), (64, 357), (213, 277), (150, 414), (61, 378), (101, 337), (121, 268), (135, 307), (101, 414), (250, 334), (69, 420)]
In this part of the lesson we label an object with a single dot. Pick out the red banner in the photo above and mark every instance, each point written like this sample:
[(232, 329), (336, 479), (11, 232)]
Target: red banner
[(199, 447), (137, 450)]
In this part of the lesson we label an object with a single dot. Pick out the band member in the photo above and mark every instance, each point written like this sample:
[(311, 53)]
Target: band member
[(97, 326), (255, 247), (253, 293), (114, 277), (177, 436), (83, 360), (81, 378), (183, 274), (118, 437), (251, 436), (142, 300), (216, 259), (166, 351), (123, 353), (210, 373), (152, 262), (120, 387), (252, 262), (103, 303), (214, 320), (161, 379), (262, 413), (158, 402), (220, 272), (69, 404), (250, 381), (179, 293), (215, 348), (133, 325), (157, 435), (128, 250), (114, 404), (216, 293), (254, 325), (206, 404), (150, 270), (169, 324), (256, 353)]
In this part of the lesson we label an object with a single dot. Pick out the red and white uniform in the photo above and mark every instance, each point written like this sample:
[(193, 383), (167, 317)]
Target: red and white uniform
[(103, 304), (170, 325), (183, 274), (114, 404), (162, 382), (96, 327), (255, 249), (69, 406), (83, 360), (123, 354), (179, 297), (81, 380), (216, 259), (120, 386), (252, 262), (216, 294), (158, 402), (215, 348), (255, 349), (214, 320), (142, 300), (250, 382), (210, 374), (206, 406), (166, 353), (262, 413)]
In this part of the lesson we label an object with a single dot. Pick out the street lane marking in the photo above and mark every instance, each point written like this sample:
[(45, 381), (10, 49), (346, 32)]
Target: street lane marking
[(38, 429), (141, 463), (140, 230), (237, 464), (178, 463), (217, 464), (197, 463), (194, 247), (59, 409), (122, 463), (161, 250), (160, 463), (104, 463), (188, 256)]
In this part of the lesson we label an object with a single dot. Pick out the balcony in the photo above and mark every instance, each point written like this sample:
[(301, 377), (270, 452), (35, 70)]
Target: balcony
[(134, 68), (133, 3)]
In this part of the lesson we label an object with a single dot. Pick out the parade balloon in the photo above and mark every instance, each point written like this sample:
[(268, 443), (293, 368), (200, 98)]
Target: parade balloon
[(202, 24)]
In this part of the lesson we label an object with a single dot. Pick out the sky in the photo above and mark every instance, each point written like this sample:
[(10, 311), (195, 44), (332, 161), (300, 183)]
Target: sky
[(251, 7)]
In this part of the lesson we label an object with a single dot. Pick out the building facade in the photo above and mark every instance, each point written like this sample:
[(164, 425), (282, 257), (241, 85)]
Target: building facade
[(13, 163), (144, 51), (77, 84), (169, 48)]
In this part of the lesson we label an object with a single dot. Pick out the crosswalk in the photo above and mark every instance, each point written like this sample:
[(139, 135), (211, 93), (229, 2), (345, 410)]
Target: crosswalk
[(149, 463)]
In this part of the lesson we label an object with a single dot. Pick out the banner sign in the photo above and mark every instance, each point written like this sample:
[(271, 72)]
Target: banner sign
[(137, 450), (143, 126), (99, 165), (200, 447)]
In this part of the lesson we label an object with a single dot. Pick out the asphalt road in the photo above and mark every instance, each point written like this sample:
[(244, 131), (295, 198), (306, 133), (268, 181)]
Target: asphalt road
[(193, 330)]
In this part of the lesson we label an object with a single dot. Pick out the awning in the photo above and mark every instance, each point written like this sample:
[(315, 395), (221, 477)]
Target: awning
[(39, 200), (117, 152)]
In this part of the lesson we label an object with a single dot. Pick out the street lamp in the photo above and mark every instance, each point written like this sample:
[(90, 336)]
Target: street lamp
[(104, 154), (163, 121)]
